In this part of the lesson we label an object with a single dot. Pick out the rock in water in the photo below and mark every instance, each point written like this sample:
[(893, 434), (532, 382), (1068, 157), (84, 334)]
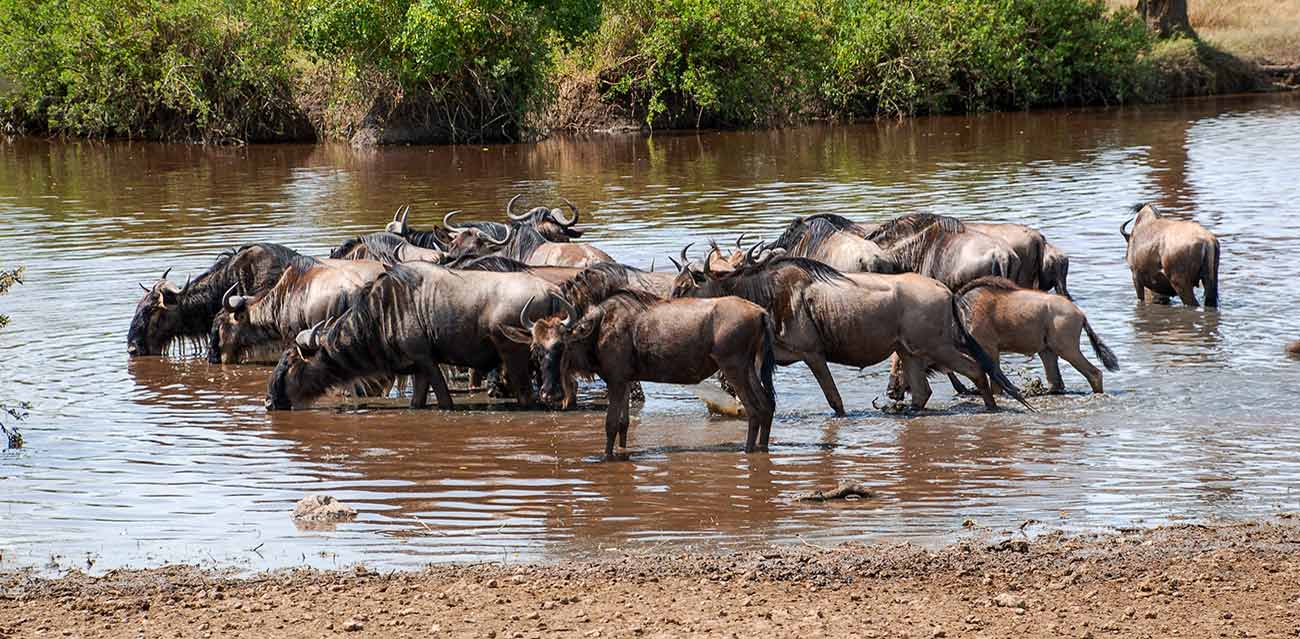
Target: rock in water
[(322, 508), (718, 401)]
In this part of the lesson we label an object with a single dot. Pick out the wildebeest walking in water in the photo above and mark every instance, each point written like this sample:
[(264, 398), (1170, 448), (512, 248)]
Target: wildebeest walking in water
[(1170, 257), (943, 248), (633, 336), (858, 319), (168, 312), (1004, 317)]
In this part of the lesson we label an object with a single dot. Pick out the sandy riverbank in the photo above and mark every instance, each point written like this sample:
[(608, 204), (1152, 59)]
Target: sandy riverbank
[(1227, 580)]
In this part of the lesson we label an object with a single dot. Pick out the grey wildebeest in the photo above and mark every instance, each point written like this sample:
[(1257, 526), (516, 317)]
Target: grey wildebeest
[(835, 241), (633, 336), (859, 319), (1055, 270), (168, 312), (1028, 244), (1004, 317), (1170, 257), (309, 291), (943, 248), (410, 320), (385, 247)]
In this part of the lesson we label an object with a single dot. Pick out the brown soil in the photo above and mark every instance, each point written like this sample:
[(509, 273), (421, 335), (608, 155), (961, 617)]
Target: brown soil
[(1232, 580)]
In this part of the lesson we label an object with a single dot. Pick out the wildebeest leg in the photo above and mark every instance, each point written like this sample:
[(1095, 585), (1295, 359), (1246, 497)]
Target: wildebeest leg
[(615, 415), (1186, 289), (970, 369), (1080, 363), (1141, 290), (419, 390), (957, 386), (745, 382), (517, 375), (1055, 385), (570, 385), (817, 364), (440, 391)]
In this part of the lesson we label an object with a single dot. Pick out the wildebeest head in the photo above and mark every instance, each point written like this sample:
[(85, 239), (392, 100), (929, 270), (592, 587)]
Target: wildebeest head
[(551, 223), (689, 278), (231, 330), (157, 317), (473, 241), (287, 387), (551, 337), (1141, 213)]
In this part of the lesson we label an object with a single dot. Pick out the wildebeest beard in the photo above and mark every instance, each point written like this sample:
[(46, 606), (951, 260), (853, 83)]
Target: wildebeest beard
[(254, 267)]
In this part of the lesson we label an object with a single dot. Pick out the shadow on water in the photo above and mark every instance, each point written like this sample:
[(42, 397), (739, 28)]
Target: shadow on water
[(143, 461)]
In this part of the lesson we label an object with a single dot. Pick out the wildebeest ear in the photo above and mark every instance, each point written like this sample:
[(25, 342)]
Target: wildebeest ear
[(516, 334)]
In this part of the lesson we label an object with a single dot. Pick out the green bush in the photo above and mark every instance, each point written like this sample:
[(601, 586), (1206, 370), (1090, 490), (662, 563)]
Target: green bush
[(186, 69), (915, 56)]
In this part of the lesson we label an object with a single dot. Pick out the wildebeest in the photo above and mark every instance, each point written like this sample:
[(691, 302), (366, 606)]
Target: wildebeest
[(168, 312), (633, 336), (1028, 244), (1004, 317), (410, 320), (836, 241), (526, 244), (388, 248), (551, 223), (858, 319), (310, 290), (1170, 257), (942, 248), (1055, 270)]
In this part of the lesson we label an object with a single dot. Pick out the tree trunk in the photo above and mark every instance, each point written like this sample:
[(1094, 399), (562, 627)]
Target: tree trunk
[(1166, 17)]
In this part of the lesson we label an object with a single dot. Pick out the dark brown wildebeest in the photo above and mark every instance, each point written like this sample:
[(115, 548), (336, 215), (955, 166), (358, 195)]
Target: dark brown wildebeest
[(1056, 268), (1170, 257), (636, 337), (306, 294), (169, 312), (527, 245), (385, 247), (942, 248), (551, 223), (859, 319), (410, 320), (1004, 317)]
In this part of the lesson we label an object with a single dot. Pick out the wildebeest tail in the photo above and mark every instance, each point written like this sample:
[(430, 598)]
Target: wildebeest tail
[(1099, 347), (769, 361), (973, 348), (1210, 274)]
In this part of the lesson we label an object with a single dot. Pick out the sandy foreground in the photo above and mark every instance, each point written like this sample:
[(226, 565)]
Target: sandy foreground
[(1226, 580)]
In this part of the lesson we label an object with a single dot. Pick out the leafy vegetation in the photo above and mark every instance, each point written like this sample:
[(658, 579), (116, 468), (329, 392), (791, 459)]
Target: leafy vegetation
[(13, 438), (470, 70)]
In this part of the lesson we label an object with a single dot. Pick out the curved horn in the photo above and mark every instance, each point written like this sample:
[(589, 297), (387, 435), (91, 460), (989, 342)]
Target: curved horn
[(510, 234), (188, 279), (677, 264), (406, 210), (308, 339), (750, 255), (446, 222), (568, 309), (165, 274), (396, 213), (144, 288), (685, 260), (740, 239), (510, 209), (523, 315), (1125, 225), (708, 272), (555, 215), (230, 295)]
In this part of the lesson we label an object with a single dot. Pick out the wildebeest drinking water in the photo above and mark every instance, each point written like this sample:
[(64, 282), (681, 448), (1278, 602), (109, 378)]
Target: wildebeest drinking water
[(633, 336), (169, 312), (1170, 257)]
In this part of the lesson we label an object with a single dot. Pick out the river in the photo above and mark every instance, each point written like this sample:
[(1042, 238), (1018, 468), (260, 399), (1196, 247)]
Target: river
[(155, 460)]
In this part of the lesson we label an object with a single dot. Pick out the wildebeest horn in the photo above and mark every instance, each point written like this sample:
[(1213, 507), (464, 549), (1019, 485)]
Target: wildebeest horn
[(228, 300), (510, 233), (1124, 226), (309, 339), (739, 240), (165, 274), (677, 264), (145, 288), (398, 225), (406, 210), (754, 250), (685, 260), (188, 279), (559, 219), (510, 209), (446, 222), (523, 315), (569, 310)]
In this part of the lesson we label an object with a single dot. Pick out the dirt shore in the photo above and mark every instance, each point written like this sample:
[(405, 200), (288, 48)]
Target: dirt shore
[(1229, 580)]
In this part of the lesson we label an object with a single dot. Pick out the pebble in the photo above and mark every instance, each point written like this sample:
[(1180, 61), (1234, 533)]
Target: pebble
[(1009, 600), (352, 626)]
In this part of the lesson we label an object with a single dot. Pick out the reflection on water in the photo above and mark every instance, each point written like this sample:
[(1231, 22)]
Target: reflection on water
[(151, 460)]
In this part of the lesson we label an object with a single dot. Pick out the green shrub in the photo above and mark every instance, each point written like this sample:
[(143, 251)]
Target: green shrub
[(185, 69)]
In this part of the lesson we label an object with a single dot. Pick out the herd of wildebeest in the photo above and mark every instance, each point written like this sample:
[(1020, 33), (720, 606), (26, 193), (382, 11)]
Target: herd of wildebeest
[(526, 303)]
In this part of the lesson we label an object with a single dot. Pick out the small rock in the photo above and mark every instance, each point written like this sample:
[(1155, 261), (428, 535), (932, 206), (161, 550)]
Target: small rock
[(322, 508), (352, 626), (1009, 600)]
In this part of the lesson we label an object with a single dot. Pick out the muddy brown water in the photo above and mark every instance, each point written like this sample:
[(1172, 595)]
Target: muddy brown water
[(140, 462)]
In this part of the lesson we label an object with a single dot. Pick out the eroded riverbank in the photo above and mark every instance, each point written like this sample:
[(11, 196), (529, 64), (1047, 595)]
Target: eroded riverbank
[(1239, 579)]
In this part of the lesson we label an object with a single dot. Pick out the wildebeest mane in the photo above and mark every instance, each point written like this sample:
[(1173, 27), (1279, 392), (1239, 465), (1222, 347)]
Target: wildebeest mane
[(201, 299), (769, 284), (382, 247), (494, 263), (629, 298), (989, 281), (598, 282), (527, 240), (911, 224)]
